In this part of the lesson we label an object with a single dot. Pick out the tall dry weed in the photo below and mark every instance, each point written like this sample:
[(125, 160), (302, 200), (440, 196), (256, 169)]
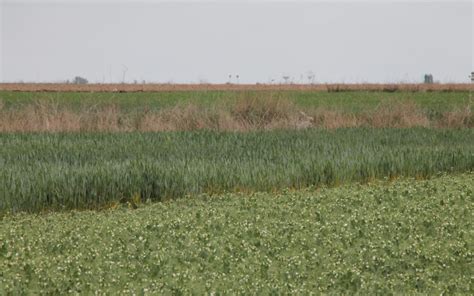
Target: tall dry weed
[(246, 113), (397, 115), (458, 118), (181, 117), (262, 111), (331, 119)]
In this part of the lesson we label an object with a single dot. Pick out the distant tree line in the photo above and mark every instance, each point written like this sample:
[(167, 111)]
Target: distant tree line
[(79, 80)]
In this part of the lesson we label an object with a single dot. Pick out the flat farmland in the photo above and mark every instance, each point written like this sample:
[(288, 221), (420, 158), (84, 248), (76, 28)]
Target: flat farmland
[(236, 189), (403, 237), (231, 110), (344, 100), (155, 87)]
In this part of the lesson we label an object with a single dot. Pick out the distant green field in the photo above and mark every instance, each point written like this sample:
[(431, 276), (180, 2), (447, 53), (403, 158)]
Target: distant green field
[(407, 237), (354, 101), (92, 170)]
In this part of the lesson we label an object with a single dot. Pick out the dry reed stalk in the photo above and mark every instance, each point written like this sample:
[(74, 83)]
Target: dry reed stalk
[(400, 115), (331, 119), (458, 118), (247, 113)]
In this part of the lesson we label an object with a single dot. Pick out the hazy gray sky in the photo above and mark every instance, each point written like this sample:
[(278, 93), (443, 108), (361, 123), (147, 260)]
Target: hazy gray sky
[(259, 40)]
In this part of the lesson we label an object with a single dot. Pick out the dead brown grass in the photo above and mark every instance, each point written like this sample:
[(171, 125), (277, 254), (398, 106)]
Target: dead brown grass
[(244, 114), (458, 118), (400, 115)]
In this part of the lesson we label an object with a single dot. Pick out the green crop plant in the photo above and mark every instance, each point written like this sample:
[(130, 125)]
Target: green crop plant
[(41, 172), (405, 237)]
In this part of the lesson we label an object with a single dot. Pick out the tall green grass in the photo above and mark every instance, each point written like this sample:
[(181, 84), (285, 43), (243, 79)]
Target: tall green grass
[(65, 171)]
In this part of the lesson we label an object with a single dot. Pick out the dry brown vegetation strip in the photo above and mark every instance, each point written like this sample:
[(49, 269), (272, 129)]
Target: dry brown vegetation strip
[(245, 114), (58, 87)]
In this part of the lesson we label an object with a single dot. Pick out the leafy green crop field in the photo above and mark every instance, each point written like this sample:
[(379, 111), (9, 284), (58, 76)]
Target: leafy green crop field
[(401, 237), (350, 101), (40, 172)]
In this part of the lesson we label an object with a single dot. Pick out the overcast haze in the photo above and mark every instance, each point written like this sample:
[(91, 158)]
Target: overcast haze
[(260, 41)]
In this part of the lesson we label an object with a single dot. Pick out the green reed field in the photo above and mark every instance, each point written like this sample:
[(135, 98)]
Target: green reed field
[(354, 101), (406, 237), (93, 170)]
